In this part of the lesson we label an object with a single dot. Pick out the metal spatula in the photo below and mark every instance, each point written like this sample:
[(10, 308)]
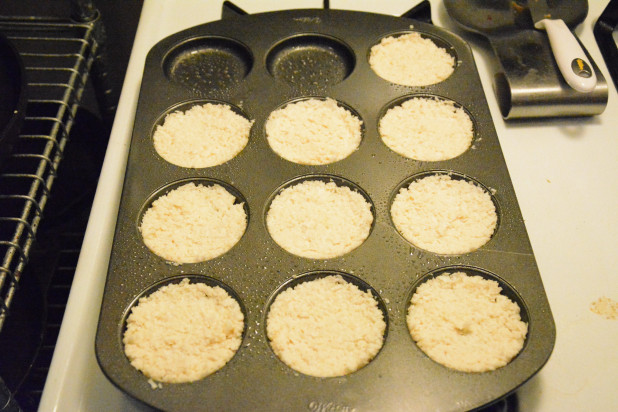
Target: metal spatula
[(570, 57), (527, 80)]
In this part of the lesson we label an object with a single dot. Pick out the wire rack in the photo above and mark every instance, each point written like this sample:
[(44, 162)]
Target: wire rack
[(58, 56)]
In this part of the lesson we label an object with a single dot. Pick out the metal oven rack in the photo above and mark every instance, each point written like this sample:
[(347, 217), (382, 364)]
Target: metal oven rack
[(59, 56)]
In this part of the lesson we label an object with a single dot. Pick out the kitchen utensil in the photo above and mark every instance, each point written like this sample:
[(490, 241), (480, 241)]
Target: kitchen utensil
[(527, 80), (570, 57)]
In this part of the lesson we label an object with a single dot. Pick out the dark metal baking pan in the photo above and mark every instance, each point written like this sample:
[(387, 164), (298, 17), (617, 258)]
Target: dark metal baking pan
[(401, 377), (12, 96)]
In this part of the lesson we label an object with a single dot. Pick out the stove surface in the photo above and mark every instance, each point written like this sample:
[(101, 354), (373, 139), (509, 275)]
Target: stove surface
[(562, 173)]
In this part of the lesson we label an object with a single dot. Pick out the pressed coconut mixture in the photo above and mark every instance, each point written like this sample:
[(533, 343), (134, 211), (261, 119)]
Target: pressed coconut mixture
[(411, 60), (319, 220), (427, 129), (444, 215), (465, 323), (183, 332), (313, 132), (193, 223), (203, 136), (325, 327)]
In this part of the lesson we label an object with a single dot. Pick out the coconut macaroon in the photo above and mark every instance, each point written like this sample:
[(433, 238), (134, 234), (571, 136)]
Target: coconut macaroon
[(319, 220), (183, 332), (444, 215), (411, 60), (313, 132), (193, 223), (465, 323), (325, 327), (427, 129), (203, 136)]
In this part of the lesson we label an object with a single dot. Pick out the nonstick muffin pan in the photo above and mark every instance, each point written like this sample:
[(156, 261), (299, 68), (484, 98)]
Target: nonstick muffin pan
[(256, 63)]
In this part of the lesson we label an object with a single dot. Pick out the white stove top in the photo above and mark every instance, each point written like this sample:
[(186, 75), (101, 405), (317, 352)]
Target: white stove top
[(563, 171)]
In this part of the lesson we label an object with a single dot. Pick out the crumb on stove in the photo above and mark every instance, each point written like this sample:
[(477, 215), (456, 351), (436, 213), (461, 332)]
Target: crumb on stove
[(605, 307)]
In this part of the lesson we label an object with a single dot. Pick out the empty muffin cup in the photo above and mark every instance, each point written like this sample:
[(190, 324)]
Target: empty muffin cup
[(310, 60), (210, 62)]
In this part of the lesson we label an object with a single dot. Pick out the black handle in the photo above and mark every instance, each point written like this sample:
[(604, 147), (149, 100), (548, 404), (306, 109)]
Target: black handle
[(603, 33)]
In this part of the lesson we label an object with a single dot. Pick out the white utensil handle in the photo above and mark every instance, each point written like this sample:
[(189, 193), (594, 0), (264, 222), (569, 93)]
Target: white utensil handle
[(571, 59)]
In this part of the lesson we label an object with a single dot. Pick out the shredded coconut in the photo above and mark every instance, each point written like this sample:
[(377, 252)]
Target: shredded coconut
[(465, 323), (411, 60), (325, 327), (313, 132), (319, 220), (193, 223), (203, 136), (427, 129), (183, 332), (444, 215)]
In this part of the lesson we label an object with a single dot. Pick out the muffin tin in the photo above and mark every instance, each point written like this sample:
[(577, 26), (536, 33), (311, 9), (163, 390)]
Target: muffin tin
[(257, 63)]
